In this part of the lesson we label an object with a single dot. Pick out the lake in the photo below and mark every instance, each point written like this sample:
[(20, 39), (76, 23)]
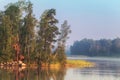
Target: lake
[(105, 69)]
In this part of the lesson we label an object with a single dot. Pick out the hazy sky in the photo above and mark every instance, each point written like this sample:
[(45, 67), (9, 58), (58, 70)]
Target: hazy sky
[(94, 19)]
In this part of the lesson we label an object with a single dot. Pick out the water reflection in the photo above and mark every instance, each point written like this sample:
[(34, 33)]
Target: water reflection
[(50, 74), (11, 73), (32, 74), (104, 70)]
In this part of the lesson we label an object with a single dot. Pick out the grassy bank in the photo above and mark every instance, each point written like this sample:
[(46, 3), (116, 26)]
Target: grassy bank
[(71, 63), (79, 63), (57, 65)]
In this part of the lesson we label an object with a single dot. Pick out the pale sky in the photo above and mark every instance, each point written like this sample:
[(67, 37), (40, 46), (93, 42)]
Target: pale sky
[(93, 19)]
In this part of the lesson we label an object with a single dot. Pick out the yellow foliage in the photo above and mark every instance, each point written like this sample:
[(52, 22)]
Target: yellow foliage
[(79, 63)]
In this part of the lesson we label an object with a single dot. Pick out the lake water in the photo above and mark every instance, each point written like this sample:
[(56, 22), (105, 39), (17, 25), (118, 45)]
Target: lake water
[(105, 69)]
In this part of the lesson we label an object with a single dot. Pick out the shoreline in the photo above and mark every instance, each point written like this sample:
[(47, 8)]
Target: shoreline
[(69, 64)]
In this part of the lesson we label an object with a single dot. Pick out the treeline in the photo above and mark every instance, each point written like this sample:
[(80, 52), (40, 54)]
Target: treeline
[(102, 47), (23, 37)]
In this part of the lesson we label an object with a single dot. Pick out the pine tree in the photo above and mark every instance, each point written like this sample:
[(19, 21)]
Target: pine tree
[(13, 11), (27, 32), (47, 34), (5, 38), (65, 30)]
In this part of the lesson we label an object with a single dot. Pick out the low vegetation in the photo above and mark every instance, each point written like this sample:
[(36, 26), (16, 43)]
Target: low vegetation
[(70, 64), (79, 63)]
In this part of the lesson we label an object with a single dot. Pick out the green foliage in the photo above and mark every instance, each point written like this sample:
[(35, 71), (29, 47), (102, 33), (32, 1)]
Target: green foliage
[(5, 38), (27, 34), (65, 30), (102, 47), (36, 45), (47, 34), (61, 56)]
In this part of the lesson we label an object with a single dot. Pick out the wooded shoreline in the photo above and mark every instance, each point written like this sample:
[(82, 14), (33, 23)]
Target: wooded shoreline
[(23, 37), (69, 64)]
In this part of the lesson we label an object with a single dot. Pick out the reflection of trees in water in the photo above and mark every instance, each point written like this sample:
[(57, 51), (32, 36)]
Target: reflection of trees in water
[(48, 74), (32, 74), (4, 75), (11, 73)]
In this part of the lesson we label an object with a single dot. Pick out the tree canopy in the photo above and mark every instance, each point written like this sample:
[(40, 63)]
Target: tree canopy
[(102, 47), (19, 37)]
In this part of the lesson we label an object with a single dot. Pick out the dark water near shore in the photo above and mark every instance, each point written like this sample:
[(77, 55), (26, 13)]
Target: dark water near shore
[(105, 69)]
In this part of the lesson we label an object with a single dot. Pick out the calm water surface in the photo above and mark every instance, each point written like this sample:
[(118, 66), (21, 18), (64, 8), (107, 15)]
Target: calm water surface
[(105, 69)]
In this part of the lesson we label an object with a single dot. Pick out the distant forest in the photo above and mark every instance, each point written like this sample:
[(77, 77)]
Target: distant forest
[(102, 47)]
